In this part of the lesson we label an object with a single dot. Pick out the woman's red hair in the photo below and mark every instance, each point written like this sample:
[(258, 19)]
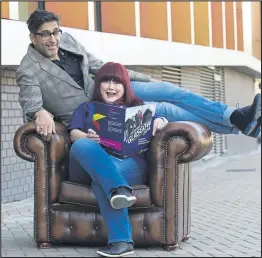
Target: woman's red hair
[(115, 72)]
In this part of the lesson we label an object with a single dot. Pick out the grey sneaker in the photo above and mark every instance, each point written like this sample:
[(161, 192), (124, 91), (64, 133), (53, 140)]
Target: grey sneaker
[(122, 198), (248, 119), (253, 127), (117, 249)]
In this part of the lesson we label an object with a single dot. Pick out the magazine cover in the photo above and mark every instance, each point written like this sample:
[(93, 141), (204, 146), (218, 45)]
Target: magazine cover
[(124, 131)]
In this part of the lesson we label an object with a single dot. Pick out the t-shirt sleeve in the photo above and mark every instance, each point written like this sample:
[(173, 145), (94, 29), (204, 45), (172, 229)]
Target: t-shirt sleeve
[(78, 118)]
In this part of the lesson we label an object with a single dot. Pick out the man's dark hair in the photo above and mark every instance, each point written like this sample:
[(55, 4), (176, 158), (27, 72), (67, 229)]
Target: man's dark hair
[(39, 17)]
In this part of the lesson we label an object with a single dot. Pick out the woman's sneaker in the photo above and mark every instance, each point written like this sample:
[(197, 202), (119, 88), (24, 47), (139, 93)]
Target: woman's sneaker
[(117, 249), (122, 198)]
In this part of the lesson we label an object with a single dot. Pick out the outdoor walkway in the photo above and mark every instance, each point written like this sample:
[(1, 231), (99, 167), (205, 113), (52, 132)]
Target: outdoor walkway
[(226, 216)]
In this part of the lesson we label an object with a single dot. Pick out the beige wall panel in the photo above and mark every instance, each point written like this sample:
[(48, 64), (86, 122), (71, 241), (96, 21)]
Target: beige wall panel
[(5, 10), (181, 22), (230, 35), (217, 24), (118, 17), (201, 23), (71, 14), (256, 30), (240, 40), (153, 20)]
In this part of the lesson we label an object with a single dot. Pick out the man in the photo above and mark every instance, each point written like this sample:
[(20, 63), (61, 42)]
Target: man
[(54, 78)]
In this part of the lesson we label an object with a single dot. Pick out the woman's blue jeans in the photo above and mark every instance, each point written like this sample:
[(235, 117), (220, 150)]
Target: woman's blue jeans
[(178, 104), (108, 172)]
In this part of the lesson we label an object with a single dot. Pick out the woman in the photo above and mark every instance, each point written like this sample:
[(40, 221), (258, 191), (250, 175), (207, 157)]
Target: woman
[(112, 178)]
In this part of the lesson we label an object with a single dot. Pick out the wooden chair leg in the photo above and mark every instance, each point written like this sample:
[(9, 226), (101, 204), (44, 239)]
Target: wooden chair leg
[(185, 238), (169, 248), (44, 245)]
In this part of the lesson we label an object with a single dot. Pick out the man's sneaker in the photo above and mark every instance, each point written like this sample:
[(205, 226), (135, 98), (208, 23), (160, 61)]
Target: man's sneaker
[(122, 198), (248, 119), (253, 127), (117, 249)]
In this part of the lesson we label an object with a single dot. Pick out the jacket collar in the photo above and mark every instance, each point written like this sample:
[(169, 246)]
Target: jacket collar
[(52, 68)]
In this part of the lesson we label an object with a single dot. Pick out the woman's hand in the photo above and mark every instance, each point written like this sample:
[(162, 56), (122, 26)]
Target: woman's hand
[(91, 134), (159, 124), (76, 134)]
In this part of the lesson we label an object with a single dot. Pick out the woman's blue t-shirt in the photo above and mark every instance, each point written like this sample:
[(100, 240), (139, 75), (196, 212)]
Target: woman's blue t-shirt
[(82, 119)]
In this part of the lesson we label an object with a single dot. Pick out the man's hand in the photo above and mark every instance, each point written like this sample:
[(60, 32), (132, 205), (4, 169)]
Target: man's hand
[(159, 124), (45, 124), (91, 134)]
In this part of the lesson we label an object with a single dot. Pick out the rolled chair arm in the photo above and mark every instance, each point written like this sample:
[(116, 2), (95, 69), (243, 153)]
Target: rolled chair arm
[(195, 140), (178, 142), (26, 152), (50, 168)]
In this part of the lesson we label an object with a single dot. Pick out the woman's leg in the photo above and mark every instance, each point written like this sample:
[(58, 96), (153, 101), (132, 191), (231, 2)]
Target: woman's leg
[(97, 163), (117, 221), (119, 227), (76, 172)]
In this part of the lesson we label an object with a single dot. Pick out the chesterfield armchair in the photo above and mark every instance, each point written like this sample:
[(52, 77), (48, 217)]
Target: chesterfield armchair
[(67, 212)]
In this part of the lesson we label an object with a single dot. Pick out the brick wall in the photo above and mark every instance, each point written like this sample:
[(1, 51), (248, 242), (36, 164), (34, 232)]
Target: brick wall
[(16, 174)]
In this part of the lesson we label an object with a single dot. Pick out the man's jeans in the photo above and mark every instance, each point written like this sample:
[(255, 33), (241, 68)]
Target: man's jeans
[(178, 104), (107, 173)]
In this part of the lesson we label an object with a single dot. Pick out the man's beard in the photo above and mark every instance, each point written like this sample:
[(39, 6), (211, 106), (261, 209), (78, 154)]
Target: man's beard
[(45, 52)]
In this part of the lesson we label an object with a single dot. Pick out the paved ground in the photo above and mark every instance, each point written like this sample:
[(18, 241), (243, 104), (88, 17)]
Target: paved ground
[(226, 216)]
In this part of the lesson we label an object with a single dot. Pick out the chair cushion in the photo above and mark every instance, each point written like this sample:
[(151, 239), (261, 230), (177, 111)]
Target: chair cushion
[(75, 193)]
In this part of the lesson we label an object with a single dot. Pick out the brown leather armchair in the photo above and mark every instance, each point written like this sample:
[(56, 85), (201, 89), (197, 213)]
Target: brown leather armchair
[(67, 212)]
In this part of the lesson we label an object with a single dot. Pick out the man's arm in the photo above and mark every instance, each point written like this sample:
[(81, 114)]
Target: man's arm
[(30, 96), (95, 64), (30, 99), (136, 76)]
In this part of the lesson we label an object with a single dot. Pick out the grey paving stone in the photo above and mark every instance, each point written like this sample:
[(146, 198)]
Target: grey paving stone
[(33, 253), (226, 220), (163, 253), (87, 251), (145, 253), (14, 254)]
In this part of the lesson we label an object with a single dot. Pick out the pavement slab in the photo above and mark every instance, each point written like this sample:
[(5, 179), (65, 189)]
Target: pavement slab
[(226, 216)]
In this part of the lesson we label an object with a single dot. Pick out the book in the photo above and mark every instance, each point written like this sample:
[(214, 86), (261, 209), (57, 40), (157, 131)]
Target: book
[(123, 131)]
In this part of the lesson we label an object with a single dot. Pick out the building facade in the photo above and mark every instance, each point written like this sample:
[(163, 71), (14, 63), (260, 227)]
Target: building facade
[(211, 48)]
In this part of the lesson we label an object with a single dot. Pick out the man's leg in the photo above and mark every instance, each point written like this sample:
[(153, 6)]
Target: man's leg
[(173, 113), (216, 112), (246, 119)]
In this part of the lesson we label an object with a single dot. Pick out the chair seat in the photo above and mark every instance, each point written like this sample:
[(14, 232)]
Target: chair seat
[(74, 193)]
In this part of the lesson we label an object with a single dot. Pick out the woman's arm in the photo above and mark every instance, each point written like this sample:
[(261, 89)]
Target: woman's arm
[(76, 134), (77, 124)]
